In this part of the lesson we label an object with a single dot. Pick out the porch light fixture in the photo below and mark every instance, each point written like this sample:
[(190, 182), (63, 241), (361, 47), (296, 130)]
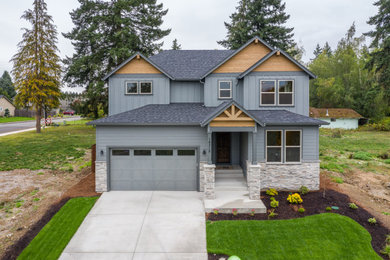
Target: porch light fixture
[(204, 152), (101, 152)]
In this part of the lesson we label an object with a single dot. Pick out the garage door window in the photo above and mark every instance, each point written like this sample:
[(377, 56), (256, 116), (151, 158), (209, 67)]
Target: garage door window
[(185, 152), (142, 152), (120, 152), (164, 152)]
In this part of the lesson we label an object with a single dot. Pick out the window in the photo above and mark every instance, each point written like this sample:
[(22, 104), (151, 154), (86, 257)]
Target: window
[(120, 152), (185, 152), (224, 89), (146, 88), (142, 152), (331, 120), (274, 146), (293, 146), (267, 92), (164, 152), (286, 92), (131, 88)]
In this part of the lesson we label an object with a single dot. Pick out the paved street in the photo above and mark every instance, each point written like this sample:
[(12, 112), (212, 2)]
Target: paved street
[(17, 126)]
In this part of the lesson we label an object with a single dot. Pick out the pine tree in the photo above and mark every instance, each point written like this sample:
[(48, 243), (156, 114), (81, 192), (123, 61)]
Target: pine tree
[(36, 65), (6, 86), (317, 51), (176, 45), (263, 18), (327, 49), (106, 33), (380, 56)]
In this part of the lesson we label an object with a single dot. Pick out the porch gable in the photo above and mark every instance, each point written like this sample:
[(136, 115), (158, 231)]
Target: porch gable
[(232, 117)]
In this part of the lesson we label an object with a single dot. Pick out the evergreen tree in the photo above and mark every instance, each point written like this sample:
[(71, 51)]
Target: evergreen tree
[(317, 51), (6, 86), (263, 18), (380, 56), (106, 33), (176, 45), (327, 49), (36, 65)]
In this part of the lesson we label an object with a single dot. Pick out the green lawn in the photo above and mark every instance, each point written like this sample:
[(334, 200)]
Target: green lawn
[(324, 236), (355, 149), (54, 148), (53, 238), (14, 119)]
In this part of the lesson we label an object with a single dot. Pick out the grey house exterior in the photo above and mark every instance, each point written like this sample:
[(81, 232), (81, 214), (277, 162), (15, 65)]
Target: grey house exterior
[(177, 116)]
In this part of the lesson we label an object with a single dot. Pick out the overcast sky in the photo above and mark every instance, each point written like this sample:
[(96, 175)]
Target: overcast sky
[(198, 24)]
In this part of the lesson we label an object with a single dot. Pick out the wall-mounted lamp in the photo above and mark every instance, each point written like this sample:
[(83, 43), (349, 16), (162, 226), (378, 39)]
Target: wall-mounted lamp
[(101, 152), (204, 152)]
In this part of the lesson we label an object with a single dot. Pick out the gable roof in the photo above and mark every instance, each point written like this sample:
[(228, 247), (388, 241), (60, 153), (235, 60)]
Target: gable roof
[(268, 56), (189, 64), (285, 117), (131, 58), (334, 113), (5, 97)]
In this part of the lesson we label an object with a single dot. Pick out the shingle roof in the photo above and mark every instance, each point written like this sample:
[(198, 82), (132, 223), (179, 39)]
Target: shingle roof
[(195, 114), (2, 96), (189, 64), (334, 113)]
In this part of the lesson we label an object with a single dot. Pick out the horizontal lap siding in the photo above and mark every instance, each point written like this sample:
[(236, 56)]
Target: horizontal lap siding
[(119, 102), (130, 136), (186, 91), (310, 141)]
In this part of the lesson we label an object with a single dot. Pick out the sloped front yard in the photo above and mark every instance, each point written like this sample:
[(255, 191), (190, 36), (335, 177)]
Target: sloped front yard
[(323, 236)]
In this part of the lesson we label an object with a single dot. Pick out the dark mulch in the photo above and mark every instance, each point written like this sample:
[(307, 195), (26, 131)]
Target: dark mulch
[(314, 203), (84, 188)]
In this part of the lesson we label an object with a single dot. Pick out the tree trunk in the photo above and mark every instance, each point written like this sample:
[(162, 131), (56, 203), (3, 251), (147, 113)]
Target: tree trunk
[(38, 120)]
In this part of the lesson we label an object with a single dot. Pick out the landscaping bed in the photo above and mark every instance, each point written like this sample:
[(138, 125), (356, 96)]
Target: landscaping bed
[(314, 203)]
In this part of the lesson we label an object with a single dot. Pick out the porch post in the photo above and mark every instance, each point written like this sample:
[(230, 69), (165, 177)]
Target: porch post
[(210, 140), (254, 148)]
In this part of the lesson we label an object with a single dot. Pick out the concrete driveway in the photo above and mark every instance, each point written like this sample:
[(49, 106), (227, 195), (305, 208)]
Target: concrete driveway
[(139, 225)]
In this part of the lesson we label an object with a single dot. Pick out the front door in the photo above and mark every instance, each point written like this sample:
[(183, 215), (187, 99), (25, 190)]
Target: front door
[(223, 147)]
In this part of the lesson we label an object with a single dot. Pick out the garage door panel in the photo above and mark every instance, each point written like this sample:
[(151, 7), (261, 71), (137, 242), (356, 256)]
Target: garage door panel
[(162, 170)]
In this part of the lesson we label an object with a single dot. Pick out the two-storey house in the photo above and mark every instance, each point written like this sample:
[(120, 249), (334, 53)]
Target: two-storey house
[(176, 117)]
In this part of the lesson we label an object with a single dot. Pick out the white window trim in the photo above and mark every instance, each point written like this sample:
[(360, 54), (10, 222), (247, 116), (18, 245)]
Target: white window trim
[(293, 146), (272, 146), (219, 89), (151, 87), (261, 92), (293, 96), (127, 93)]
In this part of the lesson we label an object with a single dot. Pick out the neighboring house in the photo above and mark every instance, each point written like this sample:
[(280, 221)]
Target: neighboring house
[(344, 118), (176, 116), (4, 104)]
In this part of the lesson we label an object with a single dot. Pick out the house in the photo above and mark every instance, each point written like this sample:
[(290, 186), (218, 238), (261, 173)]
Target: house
[(5, 103), (180, 116), (344, 118)]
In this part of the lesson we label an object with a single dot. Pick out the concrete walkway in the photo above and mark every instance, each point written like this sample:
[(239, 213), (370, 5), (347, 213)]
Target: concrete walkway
[(139, 225)]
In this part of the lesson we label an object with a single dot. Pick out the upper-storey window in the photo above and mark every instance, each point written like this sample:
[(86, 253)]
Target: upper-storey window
[(139, 87), (224, 89), (286, 92), (267, 92)]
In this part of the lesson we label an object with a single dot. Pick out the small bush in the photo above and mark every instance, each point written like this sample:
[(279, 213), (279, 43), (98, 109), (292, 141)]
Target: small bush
[(274, 203), (36, 199), (252, 213), (301, 210), (294, 198), (272, 198), (328, 209), (353, 206), (215, 211), (272, 214), (365, 156), (386, 250), (272, 192), (235, 212), (372, 221), (303, 190), (6, 112)]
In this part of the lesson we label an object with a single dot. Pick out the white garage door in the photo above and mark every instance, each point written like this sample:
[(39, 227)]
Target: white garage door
[(153, 169)]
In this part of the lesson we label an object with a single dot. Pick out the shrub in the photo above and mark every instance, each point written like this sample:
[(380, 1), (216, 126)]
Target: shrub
[(301, 210), (272, 192), (294, 198), (386, 250), (6, 112), (272, 214), (303, 190), (215, 211), (234, 212), (252, 213), (372, 221), (328, 209), (365, 156), (353, 206), (274, 203), (272, 198)]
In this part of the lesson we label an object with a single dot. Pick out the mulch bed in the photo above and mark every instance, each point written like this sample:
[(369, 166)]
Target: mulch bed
[(84, 188), (314, 203)]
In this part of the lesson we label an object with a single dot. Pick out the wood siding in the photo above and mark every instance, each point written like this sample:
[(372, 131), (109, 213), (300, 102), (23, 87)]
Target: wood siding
[(232, 117), (138, 66), (244, 59), (278, 63)]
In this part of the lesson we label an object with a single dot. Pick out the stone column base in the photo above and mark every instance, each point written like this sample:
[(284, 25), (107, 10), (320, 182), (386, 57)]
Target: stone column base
[(209, 181), (253, 179), (101, 184)]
